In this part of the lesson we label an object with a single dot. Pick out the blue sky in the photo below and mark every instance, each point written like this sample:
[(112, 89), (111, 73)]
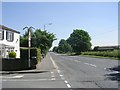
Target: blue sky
[(99, 19)]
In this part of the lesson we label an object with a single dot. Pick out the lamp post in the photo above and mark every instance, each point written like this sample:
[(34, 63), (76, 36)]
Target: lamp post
[(29, 29), (47, 24)]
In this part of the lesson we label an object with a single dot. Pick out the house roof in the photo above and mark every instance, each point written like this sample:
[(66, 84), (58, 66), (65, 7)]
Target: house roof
[(9, 29)]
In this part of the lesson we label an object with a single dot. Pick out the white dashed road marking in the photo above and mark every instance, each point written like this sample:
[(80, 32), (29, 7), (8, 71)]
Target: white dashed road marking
[(59, 72), (53, 79), (66, 81), (68, 85), (61, 75), (52, 72), (18, 76), (90, 64)]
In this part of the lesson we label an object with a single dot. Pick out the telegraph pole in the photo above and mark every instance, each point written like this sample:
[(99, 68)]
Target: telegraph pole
[(29, 29)]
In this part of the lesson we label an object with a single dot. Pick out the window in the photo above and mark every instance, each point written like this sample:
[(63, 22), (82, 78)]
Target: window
[(1, 34), (9, 36)]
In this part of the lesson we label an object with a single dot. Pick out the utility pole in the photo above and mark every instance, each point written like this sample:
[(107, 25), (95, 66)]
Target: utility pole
[(29, 29)]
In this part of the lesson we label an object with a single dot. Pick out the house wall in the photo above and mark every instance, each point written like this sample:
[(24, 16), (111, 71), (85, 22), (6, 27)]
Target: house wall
[(15, 43)]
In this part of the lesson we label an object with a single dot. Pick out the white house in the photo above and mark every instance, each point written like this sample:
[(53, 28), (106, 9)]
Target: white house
[(9, 41)]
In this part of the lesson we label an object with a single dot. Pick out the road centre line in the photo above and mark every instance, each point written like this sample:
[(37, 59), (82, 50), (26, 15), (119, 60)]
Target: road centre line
[(90, 64)]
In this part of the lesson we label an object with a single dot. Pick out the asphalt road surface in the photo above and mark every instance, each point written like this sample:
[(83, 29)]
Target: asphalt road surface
[(62, 71)]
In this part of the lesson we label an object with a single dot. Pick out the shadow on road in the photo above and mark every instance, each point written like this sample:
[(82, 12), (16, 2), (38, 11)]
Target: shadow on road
[(115, 73)]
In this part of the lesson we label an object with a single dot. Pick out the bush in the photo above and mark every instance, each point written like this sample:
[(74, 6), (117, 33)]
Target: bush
[(12, 55), (115, 53), (34, 52)]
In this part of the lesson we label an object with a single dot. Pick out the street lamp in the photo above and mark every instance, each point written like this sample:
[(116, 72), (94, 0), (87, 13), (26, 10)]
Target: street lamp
[(47, 24), (29, 29)]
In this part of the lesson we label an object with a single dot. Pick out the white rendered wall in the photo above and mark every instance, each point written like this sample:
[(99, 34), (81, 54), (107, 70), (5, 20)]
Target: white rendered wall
[(15, 43)]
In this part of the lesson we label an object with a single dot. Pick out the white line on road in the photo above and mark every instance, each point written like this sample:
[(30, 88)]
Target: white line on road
[(53, 79), (19, 76), (54, 64), (61, 75), (68, 85), (52, 76), (28, 80), (66, 81), (58, 71), (93, 65), (52, 72), (87, 63), (90, 64)]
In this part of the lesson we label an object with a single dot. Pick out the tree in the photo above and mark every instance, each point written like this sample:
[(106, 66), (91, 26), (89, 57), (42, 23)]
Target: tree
[(55, 49), (79, 41), (40, 39), (64, 47), (44, 40)]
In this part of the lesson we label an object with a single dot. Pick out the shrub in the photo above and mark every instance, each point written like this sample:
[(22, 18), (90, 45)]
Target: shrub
[(12, 55), (115, 53), (34, 52)]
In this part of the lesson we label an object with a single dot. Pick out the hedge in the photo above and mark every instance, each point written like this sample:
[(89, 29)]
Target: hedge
[(9, 64), (115, 53), (34, 52)]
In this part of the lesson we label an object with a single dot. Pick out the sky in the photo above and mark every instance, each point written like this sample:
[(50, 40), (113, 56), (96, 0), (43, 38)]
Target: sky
[(99, 19)]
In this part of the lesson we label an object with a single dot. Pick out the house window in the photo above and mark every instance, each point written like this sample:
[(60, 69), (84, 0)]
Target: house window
[(9, 36), (1, 34)]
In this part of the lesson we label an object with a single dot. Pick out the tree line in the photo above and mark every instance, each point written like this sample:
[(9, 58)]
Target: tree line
[(79, 41)]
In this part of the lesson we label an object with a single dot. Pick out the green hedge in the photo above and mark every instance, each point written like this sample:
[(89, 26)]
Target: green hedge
[(34, 52), (115, 53)]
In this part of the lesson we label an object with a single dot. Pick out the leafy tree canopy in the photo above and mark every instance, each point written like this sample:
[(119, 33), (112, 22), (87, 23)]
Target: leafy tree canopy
[(40, 39), (63, 47), (79, 41)]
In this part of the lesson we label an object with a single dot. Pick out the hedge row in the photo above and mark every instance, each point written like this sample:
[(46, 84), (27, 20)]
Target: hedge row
[(34, 52), (115, 53), (11, 64)]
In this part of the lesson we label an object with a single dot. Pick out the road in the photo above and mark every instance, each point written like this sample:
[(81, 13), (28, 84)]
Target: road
[(62, 71)]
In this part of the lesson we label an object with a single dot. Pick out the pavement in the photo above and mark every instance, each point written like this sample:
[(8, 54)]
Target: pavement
[(61, 71)]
